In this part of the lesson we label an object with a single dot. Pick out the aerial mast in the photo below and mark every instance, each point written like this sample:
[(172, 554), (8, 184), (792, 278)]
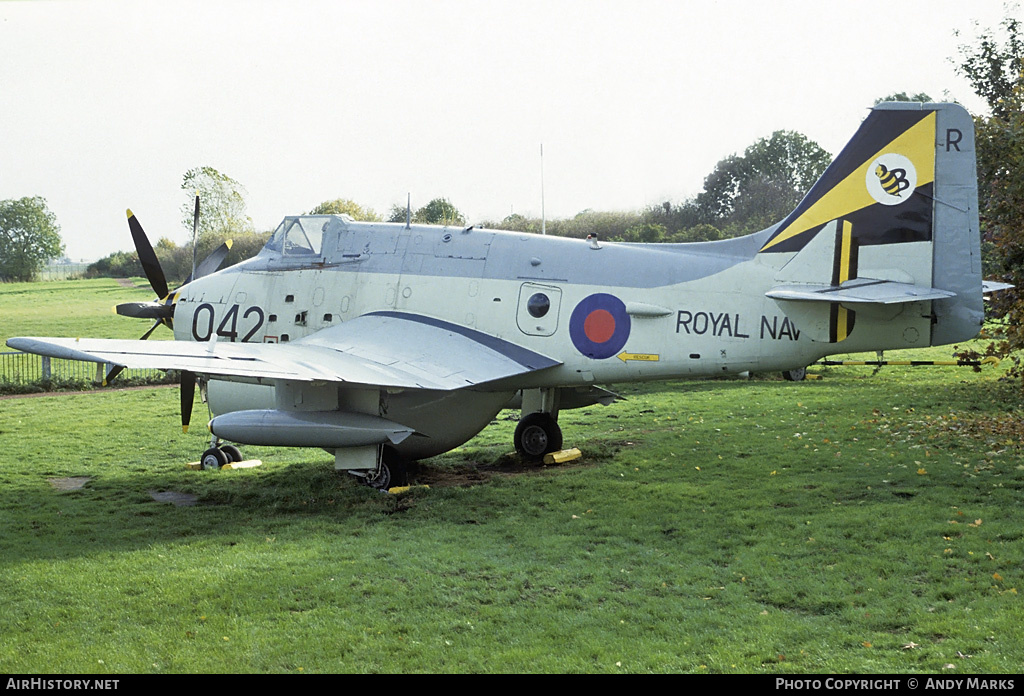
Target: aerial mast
[(543, 218)]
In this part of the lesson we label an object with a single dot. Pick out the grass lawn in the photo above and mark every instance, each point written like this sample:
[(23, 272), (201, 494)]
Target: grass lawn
[(848, 524), (72, 308)]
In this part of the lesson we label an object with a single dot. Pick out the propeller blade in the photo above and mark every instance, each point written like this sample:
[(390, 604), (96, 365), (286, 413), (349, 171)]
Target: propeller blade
[(151, 330), (188, 394), (147, 257), (195, 238), (116, 369), (212, 262), (195, 220), (114, 372), (145, 310)]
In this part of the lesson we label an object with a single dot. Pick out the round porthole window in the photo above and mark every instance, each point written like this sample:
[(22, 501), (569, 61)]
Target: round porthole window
[(538, 305)]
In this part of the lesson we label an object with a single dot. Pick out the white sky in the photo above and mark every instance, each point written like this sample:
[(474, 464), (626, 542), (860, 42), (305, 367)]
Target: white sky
[(104, 105)]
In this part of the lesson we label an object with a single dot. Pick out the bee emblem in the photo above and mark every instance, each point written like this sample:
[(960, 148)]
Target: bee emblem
[(894, 181)]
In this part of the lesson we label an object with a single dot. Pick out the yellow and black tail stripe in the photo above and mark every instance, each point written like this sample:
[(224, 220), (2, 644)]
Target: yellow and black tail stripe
[(844, 268), (840, 322), (844, 261), (841, 191)]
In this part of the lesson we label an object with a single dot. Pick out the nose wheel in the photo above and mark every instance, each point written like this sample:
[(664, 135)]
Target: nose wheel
[(219, 455)]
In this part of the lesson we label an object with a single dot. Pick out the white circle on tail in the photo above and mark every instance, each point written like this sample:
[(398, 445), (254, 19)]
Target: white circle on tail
[(891, 179)]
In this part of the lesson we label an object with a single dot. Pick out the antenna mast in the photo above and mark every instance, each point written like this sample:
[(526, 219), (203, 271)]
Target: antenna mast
[(543, 217)]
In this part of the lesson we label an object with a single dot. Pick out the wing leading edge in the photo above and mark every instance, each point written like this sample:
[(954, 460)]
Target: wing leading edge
[(386, 349)]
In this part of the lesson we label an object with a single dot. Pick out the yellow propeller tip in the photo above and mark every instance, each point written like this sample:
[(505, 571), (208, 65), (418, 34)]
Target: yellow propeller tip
[(130, 213), (228, 243), (184, 428)]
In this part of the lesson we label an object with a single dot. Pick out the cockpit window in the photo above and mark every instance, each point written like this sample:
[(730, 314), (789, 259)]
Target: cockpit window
[(299, 236)]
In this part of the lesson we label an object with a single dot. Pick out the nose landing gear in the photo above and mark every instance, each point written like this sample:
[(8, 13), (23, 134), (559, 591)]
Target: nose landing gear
[(219, 455)]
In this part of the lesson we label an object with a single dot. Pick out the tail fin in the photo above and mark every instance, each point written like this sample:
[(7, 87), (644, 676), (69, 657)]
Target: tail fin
[(894, 219)]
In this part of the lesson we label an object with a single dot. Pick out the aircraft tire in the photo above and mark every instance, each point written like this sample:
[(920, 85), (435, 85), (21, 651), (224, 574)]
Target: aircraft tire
[(394, 471), (796, 375), (233, 453), (536, 435), (213, 458)]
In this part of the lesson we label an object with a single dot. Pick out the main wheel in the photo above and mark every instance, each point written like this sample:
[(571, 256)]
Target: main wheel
[(796, 375), (213, 458), (233, 453), (536, 435), (393, 471)]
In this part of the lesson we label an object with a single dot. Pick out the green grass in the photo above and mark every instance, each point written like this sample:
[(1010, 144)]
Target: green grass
[(71, 308), (716, 526), (860, 523)]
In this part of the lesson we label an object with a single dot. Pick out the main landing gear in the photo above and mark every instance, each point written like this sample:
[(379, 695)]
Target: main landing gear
[(392, 470), (536, 435), (796, 375)]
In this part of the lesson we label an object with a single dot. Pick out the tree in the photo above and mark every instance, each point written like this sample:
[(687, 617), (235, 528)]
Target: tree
[(222, 203), (770, 177), (397, 213), (345, 206), (439, 211), (29, 237), (994, 65), (903, 97), (648, 233)]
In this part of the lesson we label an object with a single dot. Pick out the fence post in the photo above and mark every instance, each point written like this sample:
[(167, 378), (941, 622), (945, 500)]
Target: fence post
[(100, 373), (46, 368)]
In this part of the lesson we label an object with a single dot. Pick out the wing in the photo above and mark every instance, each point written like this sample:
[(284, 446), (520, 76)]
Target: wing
[(387, 349)]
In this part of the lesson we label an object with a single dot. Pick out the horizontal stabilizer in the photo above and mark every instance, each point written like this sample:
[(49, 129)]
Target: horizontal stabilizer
[(988, 286), (859, 291)]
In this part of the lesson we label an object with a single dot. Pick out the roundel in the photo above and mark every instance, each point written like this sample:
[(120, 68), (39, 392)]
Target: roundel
[(599, 326), (891, 179)]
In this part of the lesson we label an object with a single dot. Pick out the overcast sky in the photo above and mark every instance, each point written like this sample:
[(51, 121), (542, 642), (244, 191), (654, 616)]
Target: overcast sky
[(105, 105)]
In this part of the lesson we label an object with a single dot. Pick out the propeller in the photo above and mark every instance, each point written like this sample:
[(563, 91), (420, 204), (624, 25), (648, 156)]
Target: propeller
[(162, 308)]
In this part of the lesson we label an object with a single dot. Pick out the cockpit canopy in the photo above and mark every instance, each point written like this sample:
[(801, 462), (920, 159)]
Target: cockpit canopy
[(303, 236)]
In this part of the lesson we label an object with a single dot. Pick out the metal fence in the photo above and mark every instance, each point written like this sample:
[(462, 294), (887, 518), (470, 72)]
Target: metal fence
[(61, 271), (27, 368)]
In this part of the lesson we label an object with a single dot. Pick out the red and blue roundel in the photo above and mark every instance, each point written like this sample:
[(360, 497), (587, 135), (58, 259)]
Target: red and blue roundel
[(599, 326)]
